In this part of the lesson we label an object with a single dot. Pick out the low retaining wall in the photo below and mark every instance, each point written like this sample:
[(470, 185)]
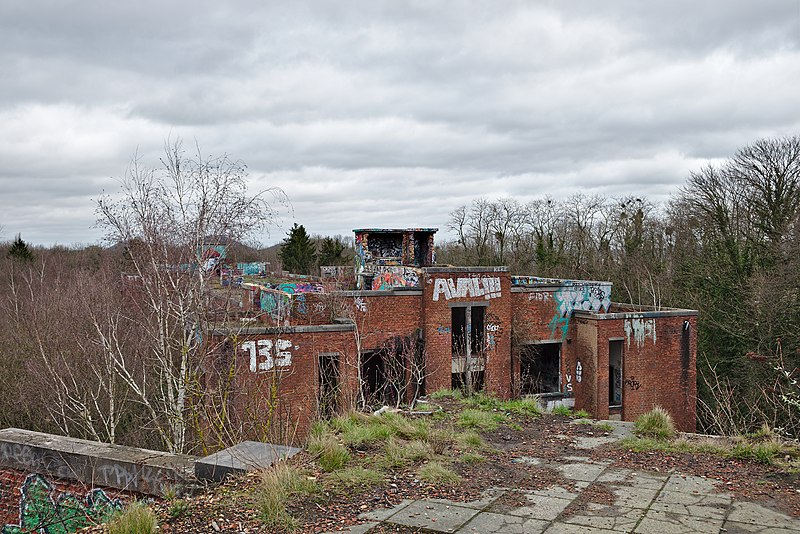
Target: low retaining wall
[(94, 463)]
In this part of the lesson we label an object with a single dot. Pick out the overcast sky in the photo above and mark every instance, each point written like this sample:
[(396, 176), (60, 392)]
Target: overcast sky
[(384, 113)]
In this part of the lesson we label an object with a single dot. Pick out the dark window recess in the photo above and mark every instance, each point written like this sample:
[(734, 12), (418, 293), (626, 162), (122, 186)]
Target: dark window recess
[(328, 383), (685, 350), (373, 377), (459, 331), (540, 367), (477, 329), (421, 249), (615, 373)]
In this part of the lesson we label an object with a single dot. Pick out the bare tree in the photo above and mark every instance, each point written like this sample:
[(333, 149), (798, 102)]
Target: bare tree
[(165, 217)]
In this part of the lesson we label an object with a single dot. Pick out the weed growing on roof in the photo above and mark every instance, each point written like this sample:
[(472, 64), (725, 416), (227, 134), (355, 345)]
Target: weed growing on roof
[(470, 458), (136, 518), (447, 394), (657, 424), (354, 477), (330, 453), (438, 474), (582, 414), (479, 420), (470, 440), (278, 485), (562, 410)]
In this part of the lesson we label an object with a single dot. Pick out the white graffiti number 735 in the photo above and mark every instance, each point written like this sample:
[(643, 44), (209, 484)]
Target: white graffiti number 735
[(261, 354)]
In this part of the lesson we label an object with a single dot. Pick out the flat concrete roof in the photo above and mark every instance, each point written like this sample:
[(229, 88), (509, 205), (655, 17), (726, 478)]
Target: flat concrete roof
[(261, 330), (394, 230)]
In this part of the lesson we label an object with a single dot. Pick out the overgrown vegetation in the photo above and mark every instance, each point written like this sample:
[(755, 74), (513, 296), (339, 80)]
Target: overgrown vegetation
[(279, 484), (655, 424)]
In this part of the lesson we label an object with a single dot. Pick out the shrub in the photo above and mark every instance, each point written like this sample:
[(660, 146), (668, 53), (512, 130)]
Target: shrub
[(656, 423), (136, 518), (439, 474)]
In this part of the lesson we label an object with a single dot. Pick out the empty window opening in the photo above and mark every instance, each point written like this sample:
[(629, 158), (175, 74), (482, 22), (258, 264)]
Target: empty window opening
[(467, 340), (385, 373), (421, 249), (328, 383), (614, 374), (373, 377), (540, 367)]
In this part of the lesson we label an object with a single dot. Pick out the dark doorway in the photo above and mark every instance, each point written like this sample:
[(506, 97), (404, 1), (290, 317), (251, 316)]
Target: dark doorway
[(328, 383), (477, 330), (540, 367), (467, 329), (615, 374), (373, 376), (458, 329)]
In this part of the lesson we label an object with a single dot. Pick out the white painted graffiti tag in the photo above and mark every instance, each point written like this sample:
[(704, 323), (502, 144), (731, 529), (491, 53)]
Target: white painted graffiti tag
[(268, 355), (578, 372), (486, 287)]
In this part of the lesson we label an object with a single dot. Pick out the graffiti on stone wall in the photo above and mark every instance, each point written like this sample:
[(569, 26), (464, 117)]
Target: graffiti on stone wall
[(486, 287), (360, 304), (276, 304), (388, 277), (386, 246), (266, 355), (639, 330), (443, 330), (578, 372), (293, 288), (43, 509), (587, 296)]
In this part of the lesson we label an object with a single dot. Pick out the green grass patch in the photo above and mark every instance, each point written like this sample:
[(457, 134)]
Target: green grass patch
[(529, 407), (438, 474), (447, 394), (136, 518), (470, 440), (562, 410), (583, 414), (470, 458), (765, 452), (330, 454), (479, 419), (657, 424), (177, 508)]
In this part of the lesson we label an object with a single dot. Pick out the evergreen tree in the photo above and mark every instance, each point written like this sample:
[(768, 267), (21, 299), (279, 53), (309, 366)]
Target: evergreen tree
[(19, 250), (332, 252), (297, 251)]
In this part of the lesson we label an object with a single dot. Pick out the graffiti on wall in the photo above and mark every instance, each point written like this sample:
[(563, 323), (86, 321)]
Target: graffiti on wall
[(386, 245), (633, 383), (486, 287), (360, 304), (299, 287), (578, 372), (253, 268), (639, 330), (276, 304), (587, 296), (266, 355), (388, 277), (43, 509)]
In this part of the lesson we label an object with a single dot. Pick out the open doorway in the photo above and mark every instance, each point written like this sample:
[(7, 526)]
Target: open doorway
[(540, 368), (328, 383), (468, 327), (615, 374)]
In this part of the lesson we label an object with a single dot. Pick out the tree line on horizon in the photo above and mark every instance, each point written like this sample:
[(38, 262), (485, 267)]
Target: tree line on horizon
[(78, 351)]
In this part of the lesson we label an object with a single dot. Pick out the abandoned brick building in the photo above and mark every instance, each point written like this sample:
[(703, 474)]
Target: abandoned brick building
[(407, 327)]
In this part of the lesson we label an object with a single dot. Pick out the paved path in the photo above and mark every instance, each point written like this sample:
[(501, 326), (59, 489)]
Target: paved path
[(644, 502)]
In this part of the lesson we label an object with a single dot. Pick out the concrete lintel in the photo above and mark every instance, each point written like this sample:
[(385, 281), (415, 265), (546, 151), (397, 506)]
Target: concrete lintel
[(398, 291), (95, 463), (652, 314), (278, 330), (499, 269)]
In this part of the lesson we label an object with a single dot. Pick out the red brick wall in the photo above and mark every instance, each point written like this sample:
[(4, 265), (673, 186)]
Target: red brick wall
[(655, 373), (437, 324), (281, 402), (381, 316)]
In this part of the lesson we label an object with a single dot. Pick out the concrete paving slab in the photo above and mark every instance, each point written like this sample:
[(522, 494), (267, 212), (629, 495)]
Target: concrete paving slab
[(559, 492), (245, 456), (710, 506), (492, 523), (592, 442), (690, 484), (581, 471), (755, 514), (487, 498), (745, 528), (656, 522), (382, 514), (529, 460), (587, 460), (628, 477), (566, 528), (614, 518), (363, 528), (631, 497), (541, 507), (433, 516)]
